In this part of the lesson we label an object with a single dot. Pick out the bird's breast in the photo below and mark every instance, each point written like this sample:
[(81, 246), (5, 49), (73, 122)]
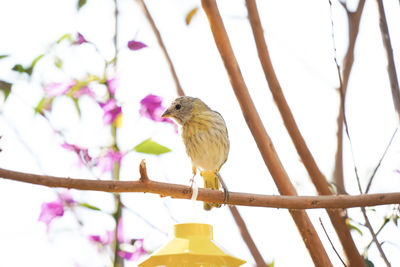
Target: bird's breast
[(206, 141)]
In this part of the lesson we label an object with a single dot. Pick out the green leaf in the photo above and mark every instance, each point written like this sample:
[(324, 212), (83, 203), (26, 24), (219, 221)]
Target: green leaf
[(58, 62), (150, 147), (89, 206), (44, 103), (353, 227), (190, 15), (65, 36), (33, 64), (81, 3), (19, 68), (5, 87), (4, 56), (368, 263)]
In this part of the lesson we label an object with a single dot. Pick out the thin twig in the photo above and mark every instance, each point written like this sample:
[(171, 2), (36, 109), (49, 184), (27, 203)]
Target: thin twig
[(379, 163), (143, 219), (354, 19), (247, 237), (330, 241), (350, 143), (244, 232), (394, 82), (374, 238), (342, 96), (162, 45)]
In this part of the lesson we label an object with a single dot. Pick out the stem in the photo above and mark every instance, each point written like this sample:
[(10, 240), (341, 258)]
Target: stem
[(374, 238), (146, 11), (118, 261)]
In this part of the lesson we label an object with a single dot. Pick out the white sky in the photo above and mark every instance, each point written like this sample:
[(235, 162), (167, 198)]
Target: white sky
[(298, 34)]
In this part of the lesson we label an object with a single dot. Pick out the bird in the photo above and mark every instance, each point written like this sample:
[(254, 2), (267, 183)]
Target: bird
[(205, 136)]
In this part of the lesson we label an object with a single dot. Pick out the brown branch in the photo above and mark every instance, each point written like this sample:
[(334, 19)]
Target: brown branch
[(163, 48), (354, 19), (185, 192), (266, 148), (394, 83), (314, 172), (247, 237)]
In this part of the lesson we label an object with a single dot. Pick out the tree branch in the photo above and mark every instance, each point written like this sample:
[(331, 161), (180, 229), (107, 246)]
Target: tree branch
[(317, 178), (163, 48), (394, 83), (263, 141), (354, 19), (185, 192)]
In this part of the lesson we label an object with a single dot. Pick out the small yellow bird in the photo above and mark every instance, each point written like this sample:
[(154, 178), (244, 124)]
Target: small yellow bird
[(205, 136)]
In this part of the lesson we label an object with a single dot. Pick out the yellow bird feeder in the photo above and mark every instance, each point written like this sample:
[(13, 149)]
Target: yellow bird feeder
[(192, 245)]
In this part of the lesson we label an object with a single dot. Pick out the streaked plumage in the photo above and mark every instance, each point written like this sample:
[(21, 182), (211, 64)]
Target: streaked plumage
[(205, 136)]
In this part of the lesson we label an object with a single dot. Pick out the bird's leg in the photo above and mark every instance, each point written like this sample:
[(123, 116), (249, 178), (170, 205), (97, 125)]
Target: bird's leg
[(226, 192), (195, 189), (194, 171)]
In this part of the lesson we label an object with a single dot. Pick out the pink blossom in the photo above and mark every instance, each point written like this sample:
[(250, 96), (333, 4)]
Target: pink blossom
[(80, 39), (82, 153), (112, 85), (135, 45), (106, 162), (85, 90), (54, 209), (106, 239), (50, 211), (56, 88), (111, 111), (151, 108), (137, 251)]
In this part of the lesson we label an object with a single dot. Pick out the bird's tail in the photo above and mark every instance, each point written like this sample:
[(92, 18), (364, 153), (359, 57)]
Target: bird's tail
[(211, 182)]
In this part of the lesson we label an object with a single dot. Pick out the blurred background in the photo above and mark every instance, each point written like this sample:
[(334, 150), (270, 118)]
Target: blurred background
[(300, 42)]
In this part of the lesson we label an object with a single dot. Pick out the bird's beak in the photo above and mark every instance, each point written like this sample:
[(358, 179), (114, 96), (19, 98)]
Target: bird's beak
[(166, 114)]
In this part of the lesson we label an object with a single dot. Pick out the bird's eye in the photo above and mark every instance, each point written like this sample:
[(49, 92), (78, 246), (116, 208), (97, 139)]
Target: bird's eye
[(178, 107)]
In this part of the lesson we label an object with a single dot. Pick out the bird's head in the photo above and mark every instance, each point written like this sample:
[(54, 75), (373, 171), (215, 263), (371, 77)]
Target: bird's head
[(181, 109)]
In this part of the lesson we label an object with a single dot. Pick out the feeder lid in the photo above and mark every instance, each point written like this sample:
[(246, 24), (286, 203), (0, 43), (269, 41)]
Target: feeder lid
[(192, 245)]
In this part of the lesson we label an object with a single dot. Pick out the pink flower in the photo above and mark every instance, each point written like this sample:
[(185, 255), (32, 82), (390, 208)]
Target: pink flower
[(135, 45), (111, 111), (85, 90), (108, 238), (106, 161), (112, 85), (56, 88), (54, 209), (82, 153), (136, 252), (151, 108), (80, 39), (50, 211)]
